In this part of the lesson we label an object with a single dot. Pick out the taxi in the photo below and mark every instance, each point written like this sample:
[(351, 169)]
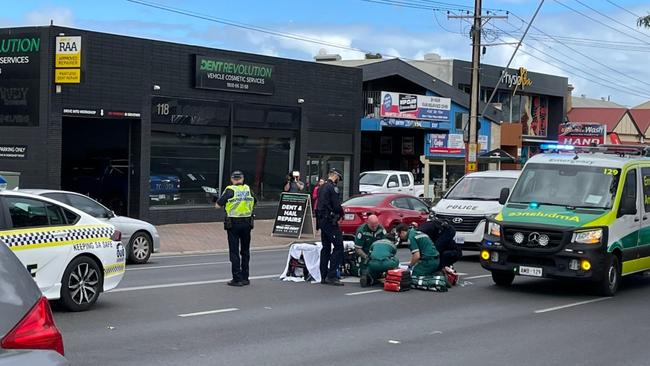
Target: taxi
[(72, 256)]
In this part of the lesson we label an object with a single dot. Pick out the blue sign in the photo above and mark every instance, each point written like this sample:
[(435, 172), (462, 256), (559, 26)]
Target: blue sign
[(388, 101)]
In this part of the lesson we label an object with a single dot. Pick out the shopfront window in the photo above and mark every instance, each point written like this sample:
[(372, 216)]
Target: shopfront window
[(265, 162), (182, 165), (319, 165), (534, 115)]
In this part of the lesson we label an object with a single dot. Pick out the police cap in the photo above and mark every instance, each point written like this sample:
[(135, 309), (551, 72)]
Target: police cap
[(237, 174), (337, 172)]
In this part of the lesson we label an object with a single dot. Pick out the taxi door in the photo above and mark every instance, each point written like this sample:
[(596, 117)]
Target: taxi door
[(34, 231)]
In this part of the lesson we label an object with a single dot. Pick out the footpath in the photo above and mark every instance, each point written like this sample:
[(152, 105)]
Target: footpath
[(211, 237)]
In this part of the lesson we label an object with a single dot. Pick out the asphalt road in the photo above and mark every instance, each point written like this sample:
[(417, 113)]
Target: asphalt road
[(178, 311)]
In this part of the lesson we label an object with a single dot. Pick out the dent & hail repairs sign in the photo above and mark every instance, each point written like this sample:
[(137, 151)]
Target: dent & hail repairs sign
[(219, 73)]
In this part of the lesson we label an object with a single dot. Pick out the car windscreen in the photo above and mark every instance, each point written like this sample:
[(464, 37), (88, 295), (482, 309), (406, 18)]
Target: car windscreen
[(567, 185), (373, 179), (480, 188), (367, 200)]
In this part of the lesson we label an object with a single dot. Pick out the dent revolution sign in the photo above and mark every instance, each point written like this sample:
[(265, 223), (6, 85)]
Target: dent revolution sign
[(233, 75), (409, 106), (19, 79)]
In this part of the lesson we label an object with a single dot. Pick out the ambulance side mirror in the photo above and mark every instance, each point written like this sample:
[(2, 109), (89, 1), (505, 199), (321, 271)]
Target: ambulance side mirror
[(503, 197)]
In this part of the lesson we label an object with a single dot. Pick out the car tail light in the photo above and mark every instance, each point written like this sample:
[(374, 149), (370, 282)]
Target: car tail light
[(117, 236), (366, 214), (35, 331)]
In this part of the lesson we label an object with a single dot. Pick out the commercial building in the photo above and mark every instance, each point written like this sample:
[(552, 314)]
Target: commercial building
[(147, 127), (525, 112)]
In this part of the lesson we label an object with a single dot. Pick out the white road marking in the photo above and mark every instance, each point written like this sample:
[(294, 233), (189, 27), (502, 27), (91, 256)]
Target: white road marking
[(363, 292), (183, 284), (224, 253), (177, 265), (571, 305), (475, 277), (208, 312)]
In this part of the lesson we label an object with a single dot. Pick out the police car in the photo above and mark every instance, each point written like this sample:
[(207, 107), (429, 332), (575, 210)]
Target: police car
[(72, 256)]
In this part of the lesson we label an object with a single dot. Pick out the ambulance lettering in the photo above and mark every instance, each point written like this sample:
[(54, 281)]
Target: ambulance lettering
[(545, 215)]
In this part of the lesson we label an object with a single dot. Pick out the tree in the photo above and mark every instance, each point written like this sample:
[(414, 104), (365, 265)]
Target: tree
[(644, 21)]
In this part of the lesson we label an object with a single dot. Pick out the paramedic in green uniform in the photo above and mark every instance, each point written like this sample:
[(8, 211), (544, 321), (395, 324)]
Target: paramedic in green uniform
[(382, 258), (424, 256), (367, 234)]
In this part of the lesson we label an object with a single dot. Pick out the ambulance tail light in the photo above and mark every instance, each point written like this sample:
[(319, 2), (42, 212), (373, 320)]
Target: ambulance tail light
[(117, 236), (35, 331)]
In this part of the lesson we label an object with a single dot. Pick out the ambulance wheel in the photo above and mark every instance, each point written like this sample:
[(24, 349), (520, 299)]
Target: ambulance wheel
[(503, 279), (608, 284), (81, 284), (140, 247)]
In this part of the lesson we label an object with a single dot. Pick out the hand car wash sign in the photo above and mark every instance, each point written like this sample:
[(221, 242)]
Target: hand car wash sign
[(582, 134), (233, 75)]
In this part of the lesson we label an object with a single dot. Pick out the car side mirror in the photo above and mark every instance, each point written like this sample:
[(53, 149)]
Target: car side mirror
[(392, 185), (503, 197), (628, 207), (110, 214)]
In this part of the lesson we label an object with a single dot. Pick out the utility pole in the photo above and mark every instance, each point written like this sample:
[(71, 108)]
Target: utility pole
[(471, 146)]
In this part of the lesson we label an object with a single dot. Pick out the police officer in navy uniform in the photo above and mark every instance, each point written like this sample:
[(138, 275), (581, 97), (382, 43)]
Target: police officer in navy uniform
[(238, 203), (328, 213)]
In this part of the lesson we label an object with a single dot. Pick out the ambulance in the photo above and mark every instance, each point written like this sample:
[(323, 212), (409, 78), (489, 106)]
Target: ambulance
[(574, 213), (72, 256)]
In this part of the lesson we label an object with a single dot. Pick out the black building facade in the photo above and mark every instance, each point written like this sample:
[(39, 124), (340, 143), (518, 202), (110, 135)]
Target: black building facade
[(146, 127)]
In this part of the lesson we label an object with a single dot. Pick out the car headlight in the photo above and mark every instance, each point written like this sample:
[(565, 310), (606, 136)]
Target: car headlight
[(588, 237), (494, 229)]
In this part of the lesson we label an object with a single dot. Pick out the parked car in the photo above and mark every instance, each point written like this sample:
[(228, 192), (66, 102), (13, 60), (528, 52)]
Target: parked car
[(389, 181), (28, 334), (72, 256), (141, 237), (469, 203), (103, 178), (391, 209)]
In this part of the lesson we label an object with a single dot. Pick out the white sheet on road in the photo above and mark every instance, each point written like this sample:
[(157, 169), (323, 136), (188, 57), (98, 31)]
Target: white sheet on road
[(311, 255)]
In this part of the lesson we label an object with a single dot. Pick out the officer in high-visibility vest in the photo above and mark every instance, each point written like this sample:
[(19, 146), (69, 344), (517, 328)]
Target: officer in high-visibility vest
[(238, 203)]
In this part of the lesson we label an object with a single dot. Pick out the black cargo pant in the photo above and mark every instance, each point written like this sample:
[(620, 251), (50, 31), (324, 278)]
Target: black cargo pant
[(450, 252), (330, 260), (239, 242)]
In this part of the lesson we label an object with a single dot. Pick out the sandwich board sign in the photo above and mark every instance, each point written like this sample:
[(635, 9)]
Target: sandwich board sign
[(294, 216)]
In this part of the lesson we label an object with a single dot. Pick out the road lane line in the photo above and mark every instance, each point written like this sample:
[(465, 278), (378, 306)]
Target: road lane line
[(208, 312), (176, 266), (475, 277), (363, 292), (541, 311), (224, 253), (183, 284)]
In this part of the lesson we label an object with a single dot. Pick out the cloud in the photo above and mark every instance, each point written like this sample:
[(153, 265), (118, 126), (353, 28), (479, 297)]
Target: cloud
[(43, 16)]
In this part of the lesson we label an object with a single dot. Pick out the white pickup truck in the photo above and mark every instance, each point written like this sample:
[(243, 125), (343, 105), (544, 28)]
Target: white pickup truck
[(389, 181)]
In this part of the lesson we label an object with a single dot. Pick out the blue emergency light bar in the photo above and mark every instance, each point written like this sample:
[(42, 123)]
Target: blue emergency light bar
[(557, 147)]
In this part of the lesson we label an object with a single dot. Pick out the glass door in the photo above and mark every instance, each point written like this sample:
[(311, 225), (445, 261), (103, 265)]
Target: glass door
[(319, 165)]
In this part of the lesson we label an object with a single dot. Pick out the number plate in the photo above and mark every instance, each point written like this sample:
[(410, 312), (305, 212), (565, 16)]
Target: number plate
[(349, 217), (161, 196), (530, 271), (460, 240)]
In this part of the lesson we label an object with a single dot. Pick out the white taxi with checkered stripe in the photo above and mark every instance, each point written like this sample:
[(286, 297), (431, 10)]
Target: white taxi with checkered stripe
[(72, 256)]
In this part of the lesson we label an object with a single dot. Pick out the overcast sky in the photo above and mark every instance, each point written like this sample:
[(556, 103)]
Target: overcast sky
[(601, 57)]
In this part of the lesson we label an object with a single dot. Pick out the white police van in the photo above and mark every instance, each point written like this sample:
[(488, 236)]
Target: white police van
[(71, 255), (471, 201)]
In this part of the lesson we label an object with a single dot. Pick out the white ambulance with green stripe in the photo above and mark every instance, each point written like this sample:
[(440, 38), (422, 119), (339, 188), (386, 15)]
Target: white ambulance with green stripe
[(72, 256), (577, 214)]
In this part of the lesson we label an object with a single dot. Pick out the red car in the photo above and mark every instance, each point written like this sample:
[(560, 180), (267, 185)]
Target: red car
[(391, 209)]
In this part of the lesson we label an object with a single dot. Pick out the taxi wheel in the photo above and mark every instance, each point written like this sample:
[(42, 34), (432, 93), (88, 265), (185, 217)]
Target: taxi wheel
[(140, 248), (81, 284), (503, 279), (608, 284)]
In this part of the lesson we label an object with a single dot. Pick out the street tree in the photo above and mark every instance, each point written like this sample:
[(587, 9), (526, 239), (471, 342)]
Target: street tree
[(644, 21)]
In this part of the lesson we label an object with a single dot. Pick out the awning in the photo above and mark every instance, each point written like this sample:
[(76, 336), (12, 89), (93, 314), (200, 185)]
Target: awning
[(498, 155)]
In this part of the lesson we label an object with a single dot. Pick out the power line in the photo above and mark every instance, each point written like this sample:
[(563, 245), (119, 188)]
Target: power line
[(599, 22), (248, 26), (610, 18), (624, 9)]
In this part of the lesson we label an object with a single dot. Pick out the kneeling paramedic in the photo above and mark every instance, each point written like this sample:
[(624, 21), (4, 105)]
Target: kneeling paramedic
[(382, 258), (238, 202), (367, 234), (442, 234), (424, 256)]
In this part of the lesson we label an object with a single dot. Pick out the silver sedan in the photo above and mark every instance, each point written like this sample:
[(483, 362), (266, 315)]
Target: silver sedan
[(141, 236)]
